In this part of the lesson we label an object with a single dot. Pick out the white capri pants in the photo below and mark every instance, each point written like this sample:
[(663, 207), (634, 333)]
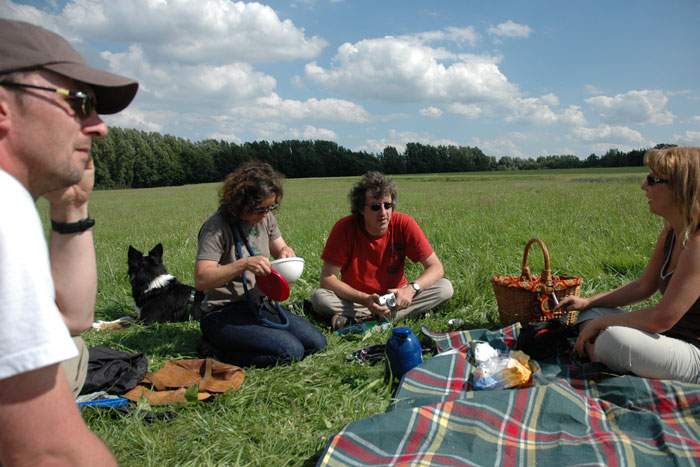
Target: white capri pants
[(646, 354)]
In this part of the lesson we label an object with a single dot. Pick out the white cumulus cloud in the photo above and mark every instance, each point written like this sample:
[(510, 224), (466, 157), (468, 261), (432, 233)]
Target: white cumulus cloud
[(688, 138), (450, 34), (28, 13), (533, 109), (399, 139), (510, 29), (465, 110), (405, 69), (543, 110), (402, 70), (609, 134), (592, 89), (498, 147), (275, 131), (214, 32), (572, 115), (431, 112), (311, 132), (220, 85), (274, 107), (636, 106), (134, 118)]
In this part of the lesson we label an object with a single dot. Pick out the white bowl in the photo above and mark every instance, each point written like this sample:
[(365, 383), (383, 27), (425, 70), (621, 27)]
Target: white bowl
[(290, 268)]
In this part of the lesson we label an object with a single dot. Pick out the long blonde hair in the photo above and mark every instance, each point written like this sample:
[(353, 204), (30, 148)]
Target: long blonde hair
[(681, 167)]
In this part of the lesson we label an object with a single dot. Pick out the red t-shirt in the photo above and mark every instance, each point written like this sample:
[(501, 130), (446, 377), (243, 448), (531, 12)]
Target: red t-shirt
[(375, 264)]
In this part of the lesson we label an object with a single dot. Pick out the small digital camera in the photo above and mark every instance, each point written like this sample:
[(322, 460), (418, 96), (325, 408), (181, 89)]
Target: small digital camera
[(388, 300)]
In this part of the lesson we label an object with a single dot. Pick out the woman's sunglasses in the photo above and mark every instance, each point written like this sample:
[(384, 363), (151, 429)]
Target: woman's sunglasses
[(82, 103), (377, 206), (264, 210), (651, 180)]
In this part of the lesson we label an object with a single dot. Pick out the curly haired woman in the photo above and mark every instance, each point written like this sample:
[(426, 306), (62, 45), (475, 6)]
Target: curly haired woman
[(662, 341), (233, 246)]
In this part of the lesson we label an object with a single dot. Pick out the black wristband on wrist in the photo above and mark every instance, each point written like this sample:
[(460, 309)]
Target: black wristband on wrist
[(72, 227)]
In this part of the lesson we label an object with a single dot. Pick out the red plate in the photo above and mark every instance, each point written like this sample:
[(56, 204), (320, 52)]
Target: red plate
[(273, 286)]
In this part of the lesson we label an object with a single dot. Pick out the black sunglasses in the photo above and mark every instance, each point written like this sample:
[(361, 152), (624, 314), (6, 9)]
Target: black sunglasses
[(651, 180), (377, 206), (264, 210), (82, 103)]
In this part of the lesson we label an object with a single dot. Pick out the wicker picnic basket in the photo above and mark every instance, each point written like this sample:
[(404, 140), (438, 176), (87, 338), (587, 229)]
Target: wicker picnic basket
[(527, 298)]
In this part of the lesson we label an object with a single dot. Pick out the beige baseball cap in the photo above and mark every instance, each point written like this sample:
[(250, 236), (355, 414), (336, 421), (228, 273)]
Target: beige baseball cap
[(24, 47)]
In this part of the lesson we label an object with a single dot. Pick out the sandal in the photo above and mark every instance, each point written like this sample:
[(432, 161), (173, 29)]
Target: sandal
[(371, 354)]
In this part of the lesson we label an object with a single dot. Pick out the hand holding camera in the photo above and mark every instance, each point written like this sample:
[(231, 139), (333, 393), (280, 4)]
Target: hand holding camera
[(388, 300), (381, 306)]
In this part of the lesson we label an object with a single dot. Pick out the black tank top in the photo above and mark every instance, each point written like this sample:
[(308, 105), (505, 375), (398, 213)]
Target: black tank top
[(688, 327)]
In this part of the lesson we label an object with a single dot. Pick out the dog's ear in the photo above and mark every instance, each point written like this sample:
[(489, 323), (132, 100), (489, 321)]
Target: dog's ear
[(134, 254), (157, 251)]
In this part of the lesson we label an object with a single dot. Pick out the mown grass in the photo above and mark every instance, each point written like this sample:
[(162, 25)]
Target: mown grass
[(595, 222)]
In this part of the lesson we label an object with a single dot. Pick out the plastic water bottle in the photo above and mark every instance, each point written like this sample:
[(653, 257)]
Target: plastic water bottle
[(403, 351)]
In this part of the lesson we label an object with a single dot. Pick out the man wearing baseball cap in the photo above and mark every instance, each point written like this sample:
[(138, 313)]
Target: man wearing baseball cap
[(49, 105)]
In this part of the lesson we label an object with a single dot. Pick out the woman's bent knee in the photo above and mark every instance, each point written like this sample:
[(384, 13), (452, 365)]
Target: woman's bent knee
[(616, 345), (610, 344), (646, 354)]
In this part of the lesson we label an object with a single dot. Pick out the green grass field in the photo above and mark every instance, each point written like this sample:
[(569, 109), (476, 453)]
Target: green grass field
[(596, 224)]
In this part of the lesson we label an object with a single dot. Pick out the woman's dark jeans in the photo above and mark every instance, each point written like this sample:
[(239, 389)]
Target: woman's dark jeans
[(239, 338)]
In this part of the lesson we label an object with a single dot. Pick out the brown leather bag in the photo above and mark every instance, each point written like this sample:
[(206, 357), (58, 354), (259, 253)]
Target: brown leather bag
[(170, 384)]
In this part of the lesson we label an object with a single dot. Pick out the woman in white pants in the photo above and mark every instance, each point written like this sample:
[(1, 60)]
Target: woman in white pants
[(662, 341)]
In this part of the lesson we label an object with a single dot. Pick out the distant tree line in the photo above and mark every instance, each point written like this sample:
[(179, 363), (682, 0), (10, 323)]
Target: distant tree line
[(129, 158)]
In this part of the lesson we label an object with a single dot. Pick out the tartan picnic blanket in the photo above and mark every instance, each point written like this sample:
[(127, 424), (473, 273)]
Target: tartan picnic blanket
[(571, 415)]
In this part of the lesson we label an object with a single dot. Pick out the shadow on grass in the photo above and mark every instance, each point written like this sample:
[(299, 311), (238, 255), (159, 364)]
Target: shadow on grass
[(313, 460), (439, 318), (159, 341), (304, 309), (116, 310)]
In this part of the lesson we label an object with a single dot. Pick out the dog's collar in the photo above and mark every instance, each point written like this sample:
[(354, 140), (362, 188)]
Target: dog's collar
[(160, 281)]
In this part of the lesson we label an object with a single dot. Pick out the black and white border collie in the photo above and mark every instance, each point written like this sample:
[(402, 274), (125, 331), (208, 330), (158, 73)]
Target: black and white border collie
[(159, 296)]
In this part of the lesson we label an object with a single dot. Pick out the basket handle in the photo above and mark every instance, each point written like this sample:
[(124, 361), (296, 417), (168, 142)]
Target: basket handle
[(546, 276)]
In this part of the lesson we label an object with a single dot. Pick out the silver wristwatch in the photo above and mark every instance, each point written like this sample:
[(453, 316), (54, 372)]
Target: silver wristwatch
[(416, 287)]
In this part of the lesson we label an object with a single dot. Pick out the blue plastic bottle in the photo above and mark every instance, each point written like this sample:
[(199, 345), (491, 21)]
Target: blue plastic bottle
[(403, 351)]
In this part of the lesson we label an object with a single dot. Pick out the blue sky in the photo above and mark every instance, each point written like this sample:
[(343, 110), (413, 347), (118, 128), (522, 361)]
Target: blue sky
[(515, 78)]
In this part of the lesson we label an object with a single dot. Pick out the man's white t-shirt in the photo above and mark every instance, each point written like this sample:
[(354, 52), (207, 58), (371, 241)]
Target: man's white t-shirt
[(32, 332)]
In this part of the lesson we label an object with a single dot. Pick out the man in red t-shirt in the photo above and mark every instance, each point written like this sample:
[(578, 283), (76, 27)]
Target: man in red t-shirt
[(364, 258)]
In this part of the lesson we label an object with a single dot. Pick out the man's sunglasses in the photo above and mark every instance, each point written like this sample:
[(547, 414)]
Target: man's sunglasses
[(82, 103), (264, 210), (377, 206), (651, 180)]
